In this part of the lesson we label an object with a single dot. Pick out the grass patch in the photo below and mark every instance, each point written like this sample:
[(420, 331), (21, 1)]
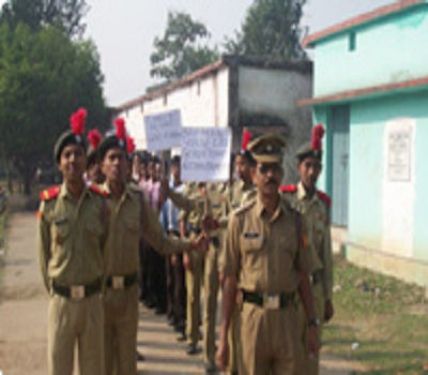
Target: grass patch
[(380, 322)]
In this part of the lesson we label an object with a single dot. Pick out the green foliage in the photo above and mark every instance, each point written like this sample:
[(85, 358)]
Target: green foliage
[(43, 78), (182, 49), (66, 15), (271, 30)]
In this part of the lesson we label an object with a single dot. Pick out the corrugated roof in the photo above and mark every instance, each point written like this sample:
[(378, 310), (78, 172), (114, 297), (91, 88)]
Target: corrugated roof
[(361, 19)]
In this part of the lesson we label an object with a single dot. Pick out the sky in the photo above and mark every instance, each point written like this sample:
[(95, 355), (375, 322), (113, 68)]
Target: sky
[(124, 30)]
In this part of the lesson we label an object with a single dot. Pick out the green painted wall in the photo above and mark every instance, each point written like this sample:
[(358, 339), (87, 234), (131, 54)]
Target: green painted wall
[(390, 50)]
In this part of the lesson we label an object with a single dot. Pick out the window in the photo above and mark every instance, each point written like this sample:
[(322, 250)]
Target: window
[(352, 41)]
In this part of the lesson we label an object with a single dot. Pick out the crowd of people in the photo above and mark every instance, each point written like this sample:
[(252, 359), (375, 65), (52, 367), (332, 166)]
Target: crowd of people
[(123, 228)]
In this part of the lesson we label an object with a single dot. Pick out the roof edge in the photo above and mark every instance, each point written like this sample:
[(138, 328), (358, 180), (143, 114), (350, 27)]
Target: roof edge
[(363, 92), (304, 67), (360, 20)]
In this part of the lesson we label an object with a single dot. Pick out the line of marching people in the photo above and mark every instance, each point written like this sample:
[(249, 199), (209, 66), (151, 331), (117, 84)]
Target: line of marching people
[(118, 231)]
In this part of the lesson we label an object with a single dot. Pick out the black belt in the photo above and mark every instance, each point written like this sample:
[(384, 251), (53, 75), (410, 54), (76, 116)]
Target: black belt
[(269, 301), (77, 291), (193, 229), (122, 282)]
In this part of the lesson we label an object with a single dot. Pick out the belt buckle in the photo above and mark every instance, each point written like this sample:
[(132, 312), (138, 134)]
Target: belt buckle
[(118, 282), (272, 302), (77, 292)]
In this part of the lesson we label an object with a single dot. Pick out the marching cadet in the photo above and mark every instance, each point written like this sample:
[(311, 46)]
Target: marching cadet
[(130, 218), (71, 234), (266, 257), (315, 206)]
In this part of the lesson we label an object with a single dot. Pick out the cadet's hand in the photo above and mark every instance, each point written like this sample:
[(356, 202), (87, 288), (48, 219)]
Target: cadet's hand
[(209, 223), (186, 262), (222, 355), (313, 341), (328, 310), (201, 243)]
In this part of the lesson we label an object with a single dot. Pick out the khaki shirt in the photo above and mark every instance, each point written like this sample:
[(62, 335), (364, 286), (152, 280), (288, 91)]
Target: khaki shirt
[(132, 218), (71, 236), (266, 254), (236, 192), (316, 214)]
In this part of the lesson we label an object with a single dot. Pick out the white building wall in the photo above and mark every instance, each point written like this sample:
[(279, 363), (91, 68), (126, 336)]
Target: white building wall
[(203, 103)]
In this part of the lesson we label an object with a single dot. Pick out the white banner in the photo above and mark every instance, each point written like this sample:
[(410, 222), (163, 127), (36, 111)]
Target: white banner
[(205, 154), (163, 131)]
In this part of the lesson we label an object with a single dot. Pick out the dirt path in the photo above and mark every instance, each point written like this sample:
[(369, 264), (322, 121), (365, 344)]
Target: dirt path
[(23, 310)]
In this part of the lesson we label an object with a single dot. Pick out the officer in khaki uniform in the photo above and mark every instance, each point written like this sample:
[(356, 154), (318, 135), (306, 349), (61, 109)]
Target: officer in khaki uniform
[(130, 219), (315, 206), (71, 235), (267, 258), (235, 193)]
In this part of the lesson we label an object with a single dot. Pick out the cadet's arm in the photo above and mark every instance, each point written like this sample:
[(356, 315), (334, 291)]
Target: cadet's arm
[(43, 245), (154, 234), (181, 201)]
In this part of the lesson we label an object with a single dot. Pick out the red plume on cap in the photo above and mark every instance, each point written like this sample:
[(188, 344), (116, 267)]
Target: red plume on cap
[(316, 139), (246, 138), (94, 138), (119, 123), (130, 145), (78, 121)]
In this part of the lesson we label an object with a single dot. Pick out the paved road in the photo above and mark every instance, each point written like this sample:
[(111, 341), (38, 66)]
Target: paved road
[(23, 310)]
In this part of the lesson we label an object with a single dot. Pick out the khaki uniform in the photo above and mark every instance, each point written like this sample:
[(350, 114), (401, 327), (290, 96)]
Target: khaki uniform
[(216, 208), (316, 214), (131, 218), (71, 237), (265, 255), (235, 194), (193, 208)]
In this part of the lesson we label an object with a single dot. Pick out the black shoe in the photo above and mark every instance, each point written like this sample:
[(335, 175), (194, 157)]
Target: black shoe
[(140, 357), (210, 368), (160, 311), (192, 349)]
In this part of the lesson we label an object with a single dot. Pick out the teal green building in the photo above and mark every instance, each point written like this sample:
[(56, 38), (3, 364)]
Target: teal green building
[(371, 92)]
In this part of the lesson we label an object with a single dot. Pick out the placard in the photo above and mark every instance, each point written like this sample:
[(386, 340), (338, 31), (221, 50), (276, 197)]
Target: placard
[(163, 131), (205, 154)]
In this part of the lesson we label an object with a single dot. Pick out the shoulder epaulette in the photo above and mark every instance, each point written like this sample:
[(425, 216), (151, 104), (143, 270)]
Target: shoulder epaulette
[(98, 190), (245, 206), (288, 188), (50, 193), (324, 197)]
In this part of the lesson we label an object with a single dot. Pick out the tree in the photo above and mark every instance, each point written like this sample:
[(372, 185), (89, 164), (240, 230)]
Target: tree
[(271, 29), (66, 15), (43, 78), (183, 48)]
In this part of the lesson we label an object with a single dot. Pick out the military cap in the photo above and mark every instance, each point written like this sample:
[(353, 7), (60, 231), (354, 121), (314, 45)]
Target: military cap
[(267, 148), (116, 140), (74, 135), (314, 147), (94, 140)]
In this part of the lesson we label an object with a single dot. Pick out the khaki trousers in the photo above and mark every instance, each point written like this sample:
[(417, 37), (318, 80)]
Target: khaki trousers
[(72, 322), (193, 290), (234, 343), (269, 341), (211, 287), (120, 330)]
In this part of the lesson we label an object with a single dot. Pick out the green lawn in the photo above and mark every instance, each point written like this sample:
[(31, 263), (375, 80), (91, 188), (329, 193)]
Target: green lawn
[(380, 322)]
